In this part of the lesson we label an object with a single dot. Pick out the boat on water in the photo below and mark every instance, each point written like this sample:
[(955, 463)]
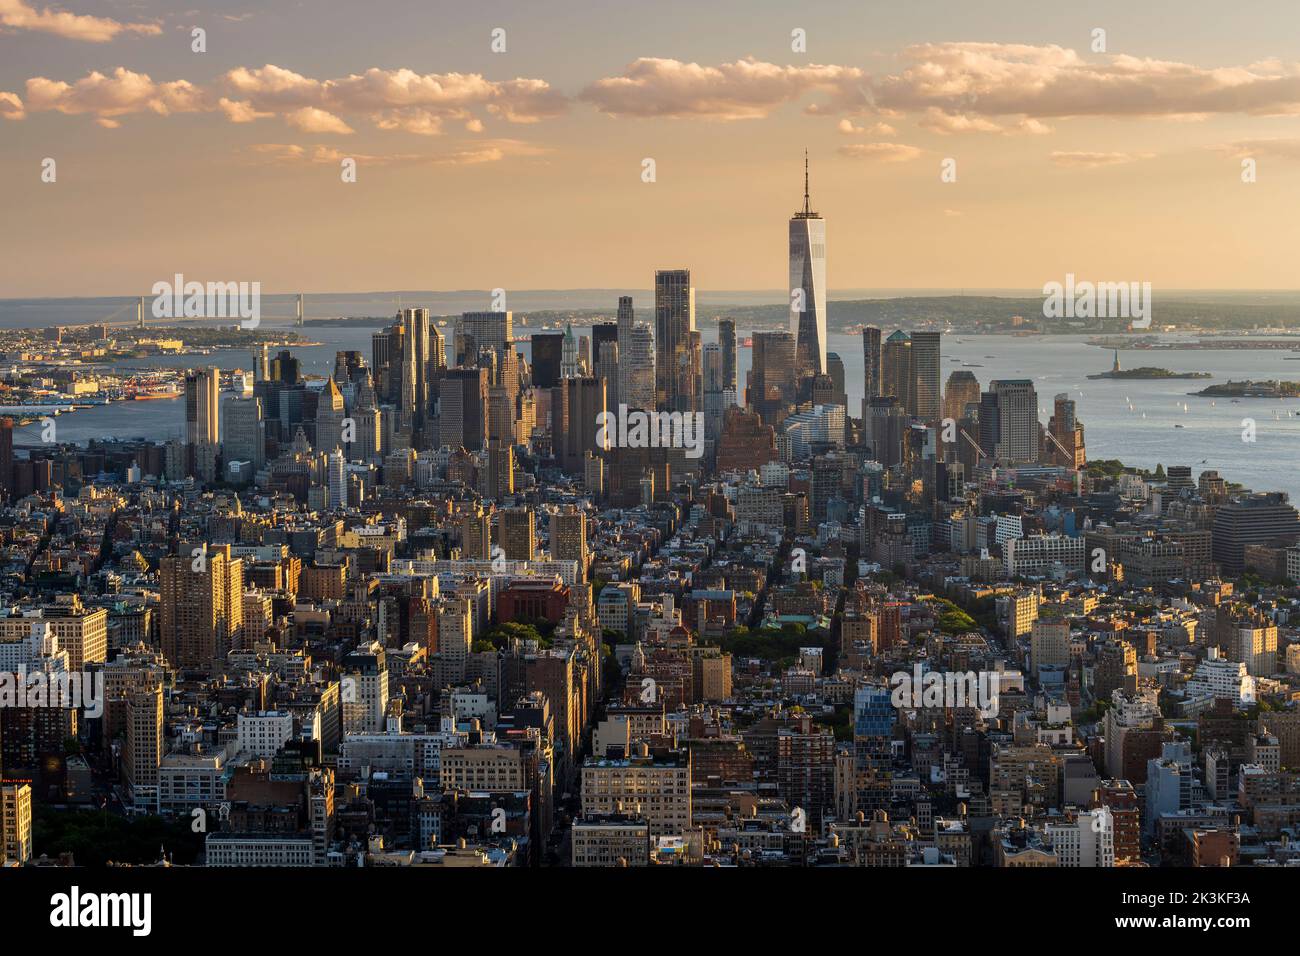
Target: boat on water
[(151, 394)]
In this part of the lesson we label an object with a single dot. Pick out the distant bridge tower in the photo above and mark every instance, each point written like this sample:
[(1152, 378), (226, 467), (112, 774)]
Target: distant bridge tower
[(299, 322)]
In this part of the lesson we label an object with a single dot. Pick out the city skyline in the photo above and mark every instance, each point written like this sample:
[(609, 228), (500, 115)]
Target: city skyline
[(657, 578)]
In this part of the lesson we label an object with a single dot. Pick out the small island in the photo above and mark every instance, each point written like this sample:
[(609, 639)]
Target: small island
[(1248, 389), (1146, 371)]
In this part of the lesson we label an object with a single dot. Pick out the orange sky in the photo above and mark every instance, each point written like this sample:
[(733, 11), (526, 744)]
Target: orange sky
[(523, 169)]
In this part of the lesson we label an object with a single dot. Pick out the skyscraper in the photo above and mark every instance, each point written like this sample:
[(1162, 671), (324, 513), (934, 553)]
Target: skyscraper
[(772, 386), (202, 607), (871, 361), (6, 455), (896, 370), (518, 534), (202, 421), (925, 375), (727, 339), (463, 407), (336, 472), (569, 538), (637, 366), (415, 369), (547, 355), (202, 418), (808, 286), (963, 389), (1016, 405), (1064, 435), (492, 330), (584, 401), (676, 372), (570, 367), (714, 402), (245, 438)]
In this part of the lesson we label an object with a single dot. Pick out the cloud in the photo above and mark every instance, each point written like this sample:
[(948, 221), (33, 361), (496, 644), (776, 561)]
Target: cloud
[(487, 152), (943, 123), (309, 119), (849, 128), (1000, 79), (744, 89), (1085, 160), (107, 97), (881, 152), (1242, 149), (240, 111), (11, 107), (21, 15), (399, 99)]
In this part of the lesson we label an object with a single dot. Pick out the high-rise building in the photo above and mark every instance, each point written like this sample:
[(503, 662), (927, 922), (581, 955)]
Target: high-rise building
[(6, 456), (583, 402), (145, 743), (569, 538), (415, 370), (1009, 421), (570, 363), (500, 470), (808, 286), (478, 330), (637, 365), (15, 822), (676, 370), (519, 534), (1252, 519), (871, 363), (202, 607), (963, 389), (886, 426), (364, 693), (337, 475), (329, 418), (925, 375), (203, 420), (245, 437), (896, 376), (463, 408), (547, 354), (714, 396), (772, 387), (607, 369), (835, 372), (1063, 440), (476, 535), (727, 340)]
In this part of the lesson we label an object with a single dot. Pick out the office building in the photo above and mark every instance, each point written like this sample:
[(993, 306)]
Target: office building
[(808, 287)]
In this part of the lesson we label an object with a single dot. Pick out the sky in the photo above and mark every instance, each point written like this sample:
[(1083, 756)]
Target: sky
[(952, 145)]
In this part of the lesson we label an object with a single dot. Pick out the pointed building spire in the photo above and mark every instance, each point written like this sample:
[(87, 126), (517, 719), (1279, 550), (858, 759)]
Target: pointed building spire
[(807, 208)]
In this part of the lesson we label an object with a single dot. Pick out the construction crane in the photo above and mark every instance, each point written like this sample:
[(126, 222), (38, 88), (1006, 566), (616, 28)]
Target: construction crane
[(974, 444)]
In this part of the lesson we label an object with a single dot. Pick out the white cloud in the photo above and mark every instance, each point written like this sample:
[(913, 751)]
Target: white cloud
[(21, 15), (881, 152), (309, 119), (1087, 160), (744, 89), (11, 107)]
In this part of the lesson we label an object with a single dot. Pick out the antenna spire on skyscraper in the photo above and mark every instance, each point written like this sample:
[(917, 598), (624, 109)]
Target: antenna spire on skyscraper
[(807, 208)]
